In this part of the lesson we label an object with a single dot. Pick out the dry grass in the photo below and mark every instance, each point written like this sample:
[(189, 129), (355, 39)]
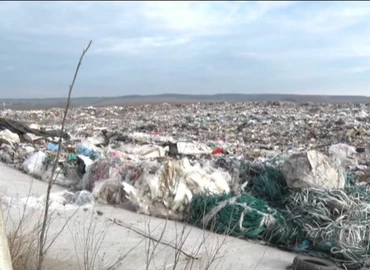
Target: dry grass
[(23, 238), (88, 241), (89, 233), (23, 227), (184, 254), (22, 246)]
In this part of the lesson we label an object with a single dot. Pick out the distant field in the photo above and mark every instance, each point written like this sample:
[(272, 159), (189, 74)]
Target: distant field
[(29, 104)]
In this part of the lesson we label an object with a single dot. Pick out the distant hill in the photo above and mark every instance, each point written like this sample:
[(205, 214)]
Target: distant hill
[(177, 98)]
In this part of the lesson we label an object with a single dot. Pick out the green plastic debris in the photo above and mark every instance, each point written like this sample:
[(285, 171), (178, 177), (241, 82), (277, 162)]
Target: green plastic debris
[(72, 158), (331, 224)]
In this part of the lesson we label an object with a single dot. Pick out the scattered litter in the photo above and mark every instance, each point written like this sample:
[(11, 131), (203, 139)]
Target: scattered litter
[(63, 200), (297, 175)]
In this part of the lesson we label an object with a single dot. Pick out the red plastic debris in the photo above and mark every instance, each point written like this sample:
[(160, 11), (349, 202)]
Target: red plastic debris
[(218, 151)]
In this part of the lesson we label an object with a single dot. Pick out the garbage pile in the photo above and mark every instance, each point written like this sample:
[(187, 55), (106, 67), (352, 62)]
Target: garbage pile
[(331, 223), (292, 175)]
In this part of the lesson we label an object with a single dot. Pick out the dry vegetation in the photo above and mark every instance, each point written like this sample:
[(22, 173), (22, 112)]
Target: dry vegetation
[(23, 240), (89, 235)]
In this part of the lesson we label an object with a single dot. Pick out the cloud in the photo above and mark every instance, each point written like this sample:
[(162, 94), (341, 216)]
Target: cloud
[(188, 47), (136, 45)]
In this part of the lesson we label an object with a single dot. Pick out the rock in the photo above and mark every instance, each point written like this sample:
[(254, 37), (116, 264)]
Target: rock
[(312, 169)]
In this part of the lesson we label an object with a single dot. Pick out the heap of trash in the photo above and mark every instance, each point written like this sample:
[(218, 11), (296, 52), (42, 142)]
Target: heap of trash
[(294, 176)]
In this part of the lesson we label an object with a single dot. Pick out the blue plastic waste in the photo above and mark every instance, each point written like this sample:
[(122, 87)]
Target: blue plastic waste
[(52, 147), (83, 150)]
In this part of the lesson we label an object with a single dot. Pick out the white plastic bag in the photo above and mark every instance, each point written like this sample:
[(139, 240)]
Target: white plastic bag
[(34, 164), (9, 136)]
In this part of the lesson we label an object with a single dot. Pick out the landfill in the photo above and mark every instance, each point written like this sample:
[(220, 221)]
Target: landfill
[(292, 175)]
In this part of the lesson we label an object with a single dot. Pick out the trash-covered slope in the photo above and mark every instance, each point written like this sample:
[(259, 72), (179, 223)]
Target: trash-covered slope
[(275, 172)]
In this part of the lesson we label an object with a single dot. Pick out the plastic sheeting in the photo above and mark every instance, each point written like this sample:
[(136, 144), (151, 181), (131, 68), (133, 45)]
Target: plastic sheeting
[(109, 191), (189, 148), (312, 169), (9, 137), (145, 151), (168, 192), (344, 154), (97, 171)]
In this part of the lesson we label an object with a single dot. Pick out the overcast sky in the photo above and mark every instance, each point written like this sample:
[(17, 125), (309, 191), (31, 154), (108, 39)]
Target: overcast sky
[(184, 47)]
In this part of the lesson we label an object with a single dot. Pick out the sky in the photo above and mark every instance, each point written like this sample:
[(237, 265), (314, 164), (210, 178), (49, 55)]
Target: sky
[(142, 48)]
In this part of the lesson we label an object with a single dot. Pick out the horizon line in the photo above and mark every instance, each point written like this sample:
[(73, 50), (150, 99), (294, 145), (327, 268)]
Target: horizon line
[(189, 95)]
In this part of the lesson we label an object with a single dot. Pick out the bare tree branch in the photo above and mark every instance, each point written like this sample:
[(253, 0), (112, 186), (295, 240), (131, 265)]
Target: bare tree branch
[(117, 222), (51, 180)]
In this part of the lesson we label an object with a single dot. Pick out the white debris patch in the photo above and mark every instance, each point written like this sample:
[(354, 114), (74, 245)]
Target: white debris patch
[(63, 200)]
